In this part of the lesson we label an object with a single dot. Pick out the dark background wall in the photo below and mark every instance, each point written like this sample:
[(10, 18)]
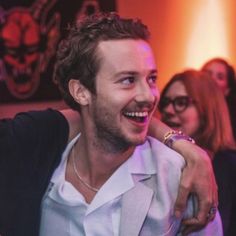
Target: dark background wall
[(29, 34)]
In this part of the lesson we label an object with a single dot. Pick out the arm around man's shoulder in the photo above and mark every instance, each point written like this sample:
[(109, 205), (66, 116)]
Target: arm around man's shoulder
[(169, 165)]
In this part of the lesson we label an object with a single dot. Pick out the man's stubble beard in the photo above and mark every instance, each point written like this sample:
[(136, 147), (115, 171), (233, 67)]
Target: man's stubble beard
[(109, 137)]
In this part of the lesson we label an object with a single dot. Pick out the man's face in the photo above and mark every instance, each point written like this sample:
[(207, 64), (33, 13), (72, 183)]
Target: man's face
[(126, 92)]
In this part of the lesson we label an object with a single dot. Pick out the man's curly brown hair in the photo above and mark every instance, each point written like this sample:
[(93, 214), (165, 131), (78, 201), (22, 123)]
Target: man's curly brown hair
[(77, 56)]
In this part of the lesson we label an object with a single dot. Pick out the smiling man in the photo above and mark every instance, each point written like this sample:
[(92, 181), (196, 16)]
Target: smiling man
[(113, 179), (126, 94)]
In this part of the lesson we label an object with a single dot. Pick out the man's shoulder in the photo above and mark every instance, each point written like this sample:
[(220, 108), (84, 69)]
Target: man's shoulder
[(161, 155), (161, 152)]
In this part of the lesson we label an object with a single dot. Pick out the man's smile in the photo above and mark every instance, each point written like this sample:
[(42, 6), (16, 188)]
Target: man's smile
[(137, 116)]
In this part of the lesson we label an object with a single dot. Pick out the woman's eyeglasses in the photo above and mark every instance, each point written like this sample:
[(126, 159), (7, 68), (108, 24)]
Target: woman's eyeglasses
[(179, 103)]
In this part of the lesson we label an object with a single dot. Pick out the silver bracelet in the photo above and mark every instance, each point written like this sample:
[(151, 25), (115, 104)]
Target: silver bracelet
[(171, 136)]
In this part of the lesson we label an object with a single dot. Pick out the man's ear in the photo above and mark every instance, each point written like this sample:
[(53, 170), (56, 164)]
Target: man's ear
[(79, 92)]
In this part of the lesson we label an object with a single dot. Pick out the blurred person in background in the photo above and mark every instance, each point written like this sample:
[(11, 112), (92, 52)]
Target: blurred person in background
[(224, 75), (193, 103)]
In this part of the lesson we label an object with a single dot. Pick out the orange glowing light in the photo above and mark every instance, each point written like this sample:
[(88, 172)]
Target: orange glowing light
[(208, 38)]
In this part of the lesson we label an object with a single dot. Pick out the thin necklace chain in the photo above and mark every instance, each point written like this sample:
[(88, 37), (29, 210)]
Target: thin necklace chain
[(79, 177)]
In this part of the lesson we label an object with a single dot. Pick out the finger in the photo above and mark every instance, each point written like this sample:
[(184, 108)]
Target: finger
[(195, 222), (203, 210), (192, 225), (181, 201), (199, 220), (205, 204)]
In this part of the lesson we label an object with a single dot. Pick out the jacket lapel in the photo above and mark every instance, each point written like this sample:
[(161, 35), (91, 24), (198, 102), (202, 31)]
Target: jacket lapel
[(135, 205)]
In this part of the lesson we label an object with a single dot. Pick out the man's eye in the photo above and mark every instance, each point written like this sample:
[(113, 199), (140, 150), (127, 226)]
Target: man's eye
[(128, 80), (152, 79)]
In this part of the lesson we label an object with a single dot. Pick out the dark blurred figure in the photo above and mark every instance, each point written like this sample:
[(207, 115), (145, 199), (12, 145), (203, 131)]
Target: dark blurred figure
[(224, 75)]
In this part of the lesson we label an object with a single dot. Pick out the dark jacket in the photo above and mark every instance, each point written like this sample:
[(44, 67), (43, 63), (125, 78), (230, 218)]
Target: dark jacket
[(31, 145), (224, 165)]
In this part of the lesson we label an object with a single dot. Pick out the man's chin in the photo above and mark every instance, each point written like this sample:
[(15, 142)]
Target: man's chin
[(139, 141)]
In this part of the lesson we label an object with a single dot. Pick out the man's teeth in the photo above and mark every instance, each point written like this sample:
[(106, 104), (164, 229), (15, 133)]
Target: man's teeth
[(137, 114)]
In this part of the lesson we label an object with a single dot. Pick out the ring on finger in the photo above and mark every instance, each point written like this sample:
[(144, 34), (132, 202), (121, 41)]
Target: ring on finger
[(212, 211)]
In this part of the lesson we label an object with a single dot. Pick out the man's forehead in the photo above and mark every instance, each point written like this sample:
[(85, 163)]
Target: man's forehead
[(125, 48), (122, 42), (122, 57)]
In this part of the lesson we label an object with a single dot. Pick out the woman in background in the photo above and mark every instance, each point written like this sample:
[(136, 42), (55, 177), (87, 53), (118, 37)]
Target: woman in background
[(193, 103), (224, 75)]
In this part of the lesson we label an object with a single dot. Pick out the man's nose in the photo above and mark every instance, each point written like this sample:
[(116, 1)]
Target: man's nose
[(145, 93)]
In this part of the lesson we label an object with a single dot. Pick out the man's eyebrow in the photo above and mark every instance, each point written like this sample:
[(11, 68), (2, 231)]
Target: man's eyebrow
[(128, 72), (154, 71)]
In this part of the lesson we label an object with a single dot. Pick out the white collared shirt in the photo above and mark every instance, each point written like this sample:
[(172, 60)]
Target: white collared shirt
[(65, 212)]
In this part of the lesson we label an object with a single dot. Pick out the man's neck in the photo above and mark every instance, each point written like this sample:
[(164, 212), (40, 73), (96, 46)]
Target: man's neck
[(96, 163)]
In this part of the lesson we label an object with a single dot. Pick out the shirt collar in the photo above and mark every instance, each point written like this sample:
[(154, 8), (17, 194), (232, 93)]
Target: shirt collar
[(139, 164)]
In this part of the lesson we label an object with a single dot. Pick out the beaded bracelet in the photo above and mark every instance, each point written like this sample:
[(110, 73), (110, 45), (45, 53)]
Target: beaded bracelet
[(171, 136)]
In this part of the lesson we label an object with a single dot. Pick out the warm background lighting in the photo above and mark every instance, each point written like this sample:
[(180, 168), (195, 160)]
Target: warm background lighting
[(186, 33), (208, 35)]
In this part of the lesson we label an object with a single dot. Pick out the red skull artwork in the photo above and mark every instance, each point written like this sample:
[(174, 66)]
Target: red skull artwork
[(28, 43)]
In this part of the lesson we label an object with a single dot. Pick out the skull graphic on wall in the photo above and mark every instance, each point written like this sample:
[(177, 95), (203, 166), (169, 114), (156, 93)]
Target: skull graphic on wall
[(27, 45)]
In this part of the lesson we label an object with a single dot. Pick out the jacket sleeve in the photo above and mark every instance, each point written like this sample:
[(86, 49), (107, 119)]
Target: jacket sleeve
[(30, 136)]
